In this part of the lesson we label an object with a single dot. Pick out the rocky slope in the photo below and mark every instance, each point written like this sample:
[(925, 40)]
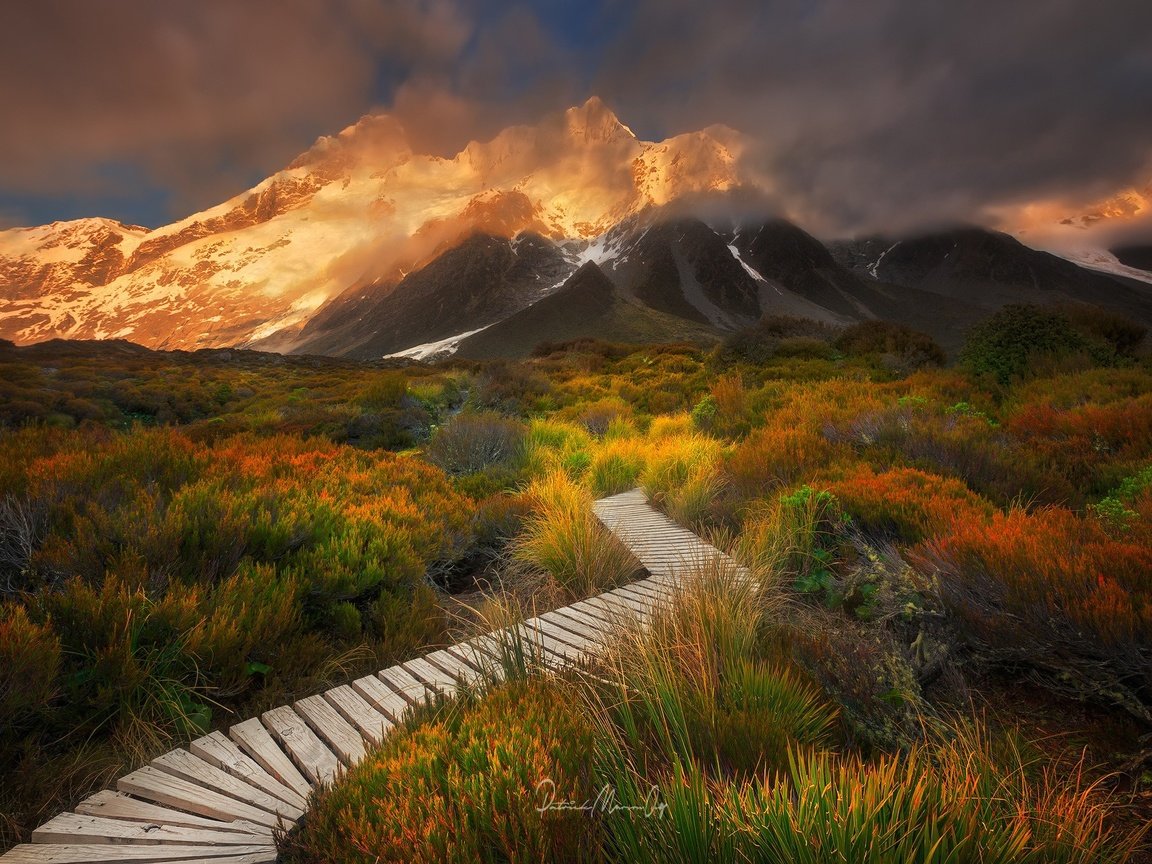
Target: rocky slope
[(358, 209)]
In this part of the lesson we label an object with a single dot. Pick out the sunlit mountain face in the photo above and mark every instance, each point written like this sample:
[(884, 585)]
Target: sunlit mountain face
[(358, 208)]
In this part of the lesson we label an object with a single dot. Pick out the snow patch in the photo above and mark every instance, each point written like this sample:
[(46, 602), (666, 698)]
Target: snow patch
[(1104, 261), (436, 350), (875, 265), (751, 271)]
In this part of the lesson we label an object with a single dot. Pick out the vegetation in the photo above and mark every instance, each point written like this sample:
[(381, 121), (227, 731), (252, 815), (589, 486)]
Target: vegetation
[(950, 626)]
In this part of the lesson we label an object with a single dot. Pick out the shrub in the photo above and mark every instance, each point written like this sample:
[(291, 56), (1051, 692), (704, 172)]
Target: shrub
[(1011, 343), (598, 416), (907, 503), (776, 456), (474, 441), (759, 343), (562, 537), (30, 658), (464, 786), (1055, 593), (902, 348)]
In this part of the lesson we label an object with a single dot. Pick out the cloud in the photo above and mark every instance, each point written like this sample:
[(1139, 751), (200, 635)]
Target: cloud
[(201, 96), (896, 112), (866, 114)]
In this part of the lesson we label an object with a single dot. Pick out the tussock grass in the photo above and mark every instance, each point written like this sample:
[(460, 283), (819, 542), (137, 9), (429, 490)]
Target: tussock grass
[(563, 538)]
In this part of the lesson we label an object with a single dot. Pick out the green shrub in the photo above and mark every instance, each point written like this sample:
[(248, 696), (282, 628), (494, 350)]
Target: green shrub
[(904, 348), (474, 441), (1011, 343)]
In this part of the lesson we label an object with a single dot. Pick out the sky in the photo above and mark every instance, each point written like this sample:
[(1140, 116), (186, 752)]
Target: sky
[(867, 113)]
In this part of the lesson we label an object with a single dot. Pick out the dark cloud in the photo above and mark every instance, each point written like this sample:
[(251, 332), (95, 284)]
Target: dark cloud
[(867, 113), (890, 112), (201, 96)]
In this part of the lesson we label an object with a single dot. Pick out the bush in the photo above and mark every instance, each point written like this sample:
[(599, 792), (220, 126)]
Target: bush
[(563, 538), (1055, 593), (907, 503), (901, 347), (474, 441), (30, 658), (464, 786), (759, 344), (1010, 344)]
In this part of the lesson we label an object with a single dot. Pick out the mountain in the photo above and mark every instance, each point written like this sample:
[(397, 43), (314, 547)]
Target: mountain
[(357, 211), (589, 305), (570, 228), (962, 274)]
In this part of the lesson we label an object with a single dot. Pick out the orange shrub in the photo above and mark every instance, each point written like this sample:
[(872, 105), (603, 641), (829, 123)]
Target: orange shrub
[(907, 502), (776, 456), (1080, 441), (1053, 591)]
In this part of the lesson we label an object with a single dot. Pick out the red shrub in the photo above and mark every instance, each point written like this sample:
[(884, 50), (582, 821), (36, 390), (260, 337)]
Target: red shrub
[(910, 503)]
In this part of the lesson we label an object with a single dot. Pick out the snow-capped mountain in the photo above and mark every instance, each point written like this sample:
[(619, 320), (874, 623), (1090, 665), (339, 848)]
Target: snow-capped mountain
[(357, 209)]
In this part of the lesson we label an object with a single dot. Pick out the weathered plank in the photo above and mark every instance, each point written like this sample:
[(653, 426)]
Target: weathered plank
[(326, 722), (356, 710), (594, 635), (257, 743), (157, 786), (455, 666), (310, 754), (117, 805), (383, 697), (431, 675), (79, 828), (406, 684), (218, 750), (181, 763), (96, 853)]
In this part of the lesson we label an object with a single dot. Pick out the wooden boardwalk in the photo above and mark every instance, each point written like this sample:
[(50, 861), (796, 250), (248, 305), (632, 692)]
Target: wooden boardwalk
[(218, 801)]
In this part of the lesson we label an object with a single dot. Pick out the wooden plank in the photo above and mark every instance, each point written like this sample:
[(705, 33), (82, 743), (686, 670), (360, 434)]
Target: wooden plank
[(617, 609), (455, 667), (158, 786), (483, 662), (326, 722), (310, 754), (79, 828), (550, 644), (541, 630), (372, 724), (572, 621), (596, 615), (116, 805), (406, 684), (181, 763), (254, 738), (217, 749), (382, 697), (97, 853), (642, 607), (431, 675)]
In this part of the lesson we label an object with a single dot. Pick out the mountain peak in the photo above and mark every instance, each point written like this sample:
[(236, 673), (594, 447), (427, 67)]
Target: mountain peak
[(595, 121)]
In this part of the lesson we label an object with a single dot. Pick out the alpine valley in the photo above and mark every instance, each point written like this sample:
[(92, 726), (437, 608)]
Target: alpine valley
[(571, 228)]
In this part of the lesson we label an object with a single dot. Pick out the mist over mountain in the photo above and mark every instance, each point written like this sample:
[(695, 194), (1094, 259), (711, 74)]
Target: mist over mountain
[(363, 247)]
